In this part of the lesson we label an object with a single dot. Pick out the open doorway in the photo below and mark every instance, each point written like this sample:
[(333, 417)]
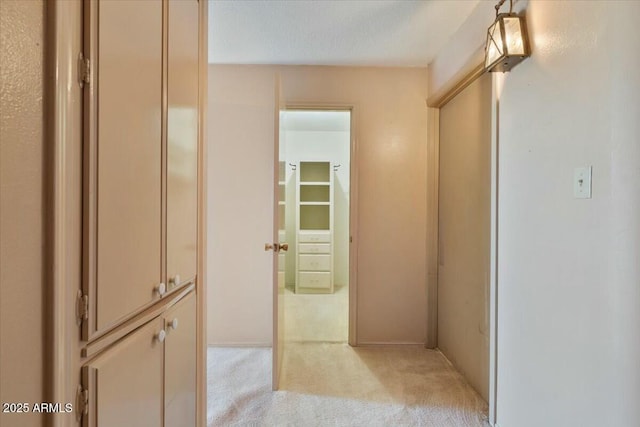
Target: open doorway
[(317, 183)]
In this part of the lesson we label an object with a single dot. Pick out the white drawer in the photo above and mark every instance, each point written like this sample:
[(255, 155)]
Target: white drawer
[(314, 237), (315, 262), (315, 280), (314, 248)]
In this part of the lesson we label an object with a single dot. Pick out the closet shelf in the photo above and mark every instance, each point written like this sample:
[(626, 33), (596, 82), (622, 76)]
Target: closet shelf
[(303, 183), (315, 203)]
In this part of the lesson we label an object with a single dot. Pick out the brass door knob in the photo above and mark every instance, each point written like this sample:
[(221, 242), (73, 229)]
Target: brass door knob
[(276, 247)]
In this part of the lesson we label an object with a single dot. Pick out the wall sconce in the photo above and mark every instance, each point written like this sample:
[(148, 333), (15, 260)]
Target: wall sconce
[(507, 41)]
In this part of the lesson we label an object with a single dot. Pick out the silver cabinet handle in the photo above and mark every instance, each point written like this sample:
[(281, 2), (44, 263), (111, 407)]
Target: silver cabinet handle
[(161, 289), (174, 323), (160, 336)]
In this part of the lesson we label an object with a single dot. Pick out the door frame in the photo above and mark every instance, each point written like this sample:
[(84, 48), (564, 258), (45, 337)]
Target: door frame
[(353, 204), (63, 29), (459, 82)]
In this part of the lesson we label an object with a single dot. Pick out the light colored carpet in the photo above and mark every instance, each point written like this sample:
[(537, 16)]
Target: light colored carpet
[(317, 317), (329, 384)]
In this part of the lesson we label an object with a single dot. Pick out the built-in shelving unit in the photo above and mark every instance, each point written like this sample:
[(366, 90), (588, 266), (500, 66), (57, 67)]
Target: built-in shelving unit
[(314, 227)]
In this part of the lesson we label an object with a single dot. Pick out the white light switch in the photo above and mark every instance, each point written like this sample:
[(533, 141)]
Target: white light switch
[(582, 183)]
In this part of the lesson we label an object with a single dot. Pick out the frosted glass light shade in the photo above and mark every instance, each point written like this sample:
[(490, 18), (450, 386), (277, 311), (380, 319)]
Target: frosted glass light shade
[(507, 43)]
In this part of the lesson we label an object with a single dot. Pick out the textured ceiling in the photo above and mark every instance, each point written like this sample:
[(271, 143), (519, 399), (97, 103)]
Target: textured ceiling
[(333, 32)]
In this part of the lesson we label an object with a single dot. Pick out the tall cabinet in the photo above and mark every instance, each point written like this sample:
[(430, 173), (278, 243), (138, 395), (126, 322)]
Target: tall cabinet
[(314, 227), (137, 309)]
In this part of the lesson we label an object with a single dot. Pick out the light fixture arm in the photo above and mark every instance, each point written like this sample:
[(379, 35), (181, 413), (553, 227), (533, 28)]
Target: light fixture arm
[(499, 5)]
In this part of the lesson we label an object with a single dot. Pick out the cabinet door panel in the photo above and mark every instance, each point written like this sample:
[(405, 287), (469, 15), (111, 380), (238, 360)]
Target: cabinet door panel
[(180, 364), (129, 101), (125, 382), (182, 138)]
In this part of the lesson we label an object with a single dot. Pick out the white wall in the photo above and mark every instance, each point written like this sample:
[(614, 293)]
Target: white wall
[(569, 281), (390, 127), (22, 213), (332, 146), (568, 269)]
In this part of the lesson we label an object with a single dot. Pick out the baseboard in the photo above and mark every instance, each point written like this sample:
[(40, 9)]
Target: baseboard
[(239, 344), (390, 344), (445, 357)]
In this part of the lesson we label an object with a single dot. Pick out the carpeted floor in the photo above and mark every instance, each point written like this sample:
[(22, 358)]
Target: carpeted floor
[(332, 384), (317, 317)]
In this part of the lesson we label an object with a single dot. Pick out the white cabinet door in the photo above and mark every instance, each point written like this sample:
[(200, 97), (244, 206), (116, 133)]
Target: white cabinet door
[(123, 160), (180, 364), (125, 382), (182, 140)]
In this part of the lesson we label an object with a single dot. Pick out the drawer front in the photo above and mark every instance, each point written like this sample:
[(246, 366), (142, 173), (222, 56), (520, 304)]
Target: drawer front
[(315, 248), (315, 280), (314, 237), (315, 262)]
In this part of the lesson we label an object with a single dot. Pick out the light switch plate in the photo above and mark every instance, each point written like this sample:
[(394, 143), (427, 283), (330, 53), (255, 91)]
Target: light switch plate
[(582, 183)]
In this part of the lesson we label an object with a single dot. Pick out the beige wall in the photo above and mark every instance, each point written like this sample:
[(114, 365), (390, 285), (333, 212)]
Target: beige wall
[(568, 269), (464, 232), (21, 207), (390, 127)]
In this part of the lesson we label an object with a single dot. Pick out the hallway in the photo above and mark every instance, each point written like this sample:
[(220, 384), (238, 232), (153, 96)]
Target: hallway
[(324, 381), (338, 385)]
